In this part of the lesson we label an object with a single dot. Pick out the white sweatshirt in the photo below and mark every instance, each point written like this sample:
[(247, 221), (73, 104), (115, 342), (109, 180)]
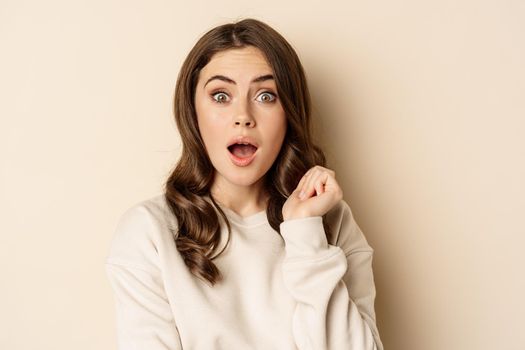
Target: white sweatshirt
[(288, 291)]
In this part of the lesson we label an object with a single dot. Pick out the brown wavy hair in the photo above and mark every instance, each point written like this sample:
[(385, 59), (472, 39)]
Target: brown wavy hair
[(199, 229)]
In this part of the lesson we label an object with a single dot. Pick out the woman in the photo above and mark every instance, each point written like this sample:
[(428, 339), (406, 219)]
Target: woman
[(252, 245)]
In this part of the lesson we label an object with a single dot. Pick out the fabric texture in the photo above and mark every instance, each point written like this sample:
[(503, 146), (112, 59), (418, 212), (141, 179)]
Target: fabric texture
[(290, 291)]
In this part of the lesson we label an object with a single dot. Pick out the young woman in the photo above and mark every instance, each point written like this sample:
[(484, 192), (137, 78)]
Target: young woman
[(252, 245)]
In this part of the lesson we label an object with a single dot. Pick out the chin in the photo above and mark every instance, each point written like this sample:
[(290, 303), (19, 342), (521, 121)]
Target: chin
[(240, 177)]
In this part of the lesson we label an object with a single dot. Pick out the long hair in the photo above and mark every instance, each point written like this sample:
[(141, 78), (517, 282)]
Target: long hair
[(199, 229)]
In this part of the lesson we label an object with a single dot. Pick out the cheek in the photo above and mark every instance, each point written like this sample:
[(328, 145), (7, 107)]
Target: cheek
[(278, 132), (208, 133), (212, 128)]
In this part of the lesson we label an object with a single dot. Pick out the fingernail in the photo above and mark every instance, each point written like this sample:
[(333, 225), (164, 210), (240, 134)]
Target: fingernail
[(301, 195)]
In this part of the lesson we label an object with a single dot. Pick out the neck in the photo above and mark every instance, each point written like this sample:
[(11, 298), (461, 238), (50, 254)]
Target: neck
[(244, 200)]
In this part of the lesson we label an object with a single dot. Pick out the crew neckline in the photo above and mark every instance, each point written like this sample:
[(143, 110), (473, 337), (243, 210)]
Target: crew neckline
[(258, 218)]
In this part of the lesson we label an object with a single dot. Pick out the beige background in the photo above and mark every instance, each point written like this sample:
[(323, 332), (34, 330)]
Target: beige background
[(420, 108)]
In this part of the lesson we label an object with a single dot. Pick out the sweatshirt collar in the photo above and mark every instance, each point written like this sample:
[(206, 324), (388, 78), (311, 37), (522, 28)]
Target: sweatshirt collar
[(255, 219)]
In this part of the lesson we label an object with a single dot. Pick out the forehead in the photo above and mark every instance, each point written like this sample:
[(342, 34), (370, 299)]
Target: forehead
[(247, 60)]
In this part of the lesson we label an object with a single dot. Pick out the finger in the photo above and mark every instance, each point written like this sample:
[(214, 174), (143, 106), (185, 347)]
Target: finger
[(304, 180), (323, 169), (309, 187), (320, 183), (301, 183), (331, 183), (304, 189), (333, 187)]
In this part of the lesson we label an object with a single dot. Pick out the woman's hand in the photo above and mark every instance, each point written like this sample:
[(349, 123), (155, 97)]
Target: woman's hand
[(321, 193)]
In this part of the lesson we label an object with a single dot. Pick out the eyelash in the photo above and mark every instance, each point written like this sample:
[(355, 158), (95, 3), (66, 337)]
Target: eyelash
[(222, 92)]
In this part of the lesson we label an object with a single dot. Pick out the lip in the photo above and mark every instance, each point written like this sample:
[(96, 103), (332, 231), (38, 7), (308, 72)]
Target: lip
[(242, 161), (242, 139)]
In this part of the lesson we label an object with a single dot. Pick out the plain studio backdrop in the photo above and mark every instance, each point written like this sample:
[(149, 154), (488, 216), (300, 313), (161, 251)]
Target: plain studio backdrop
[(419, 106)]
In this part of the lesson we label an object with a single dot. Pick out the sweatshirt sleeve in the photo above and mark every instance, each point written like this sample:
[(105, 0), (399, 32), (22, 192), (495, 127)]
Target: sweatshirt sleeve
[(144, 318), (332, 284)]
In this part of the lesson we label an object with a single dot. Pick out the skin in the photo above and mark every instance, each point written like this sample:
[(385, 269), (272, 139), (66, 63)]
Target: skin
[(241, 106)]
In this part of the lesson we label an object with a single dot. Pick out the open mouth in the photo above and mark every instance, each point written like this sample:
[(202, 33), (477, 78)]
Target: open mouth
[(242, 150)]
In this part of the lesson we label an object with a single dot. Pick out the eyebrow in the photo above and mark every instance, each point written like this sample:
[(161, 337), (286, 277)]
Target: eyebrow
[(231, 81)]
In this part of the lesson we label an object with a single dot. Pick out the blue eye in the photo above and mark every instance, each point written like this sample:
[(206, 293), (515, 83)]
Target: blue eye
[(221, 97), (267, 97)]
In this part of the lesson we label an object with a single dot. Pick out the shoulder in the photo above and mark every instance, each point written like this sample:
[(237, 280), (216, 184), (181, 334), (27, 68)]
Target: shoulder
[(346, 233), (139, 233)]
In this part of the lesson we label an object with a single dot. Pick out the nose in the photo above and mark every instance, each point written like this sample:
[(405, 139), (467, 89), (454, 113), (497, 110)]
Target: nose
[(244, 121), (244, 116)]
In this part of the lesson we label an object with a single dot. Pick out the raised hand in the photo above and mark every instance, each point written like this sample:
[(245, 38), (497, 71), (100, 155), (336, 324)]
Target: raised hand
[(321, 193)]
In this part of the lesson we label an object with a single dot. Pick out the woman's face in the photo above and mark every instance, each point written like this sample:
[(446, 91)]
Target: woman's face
[(236, 96)]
